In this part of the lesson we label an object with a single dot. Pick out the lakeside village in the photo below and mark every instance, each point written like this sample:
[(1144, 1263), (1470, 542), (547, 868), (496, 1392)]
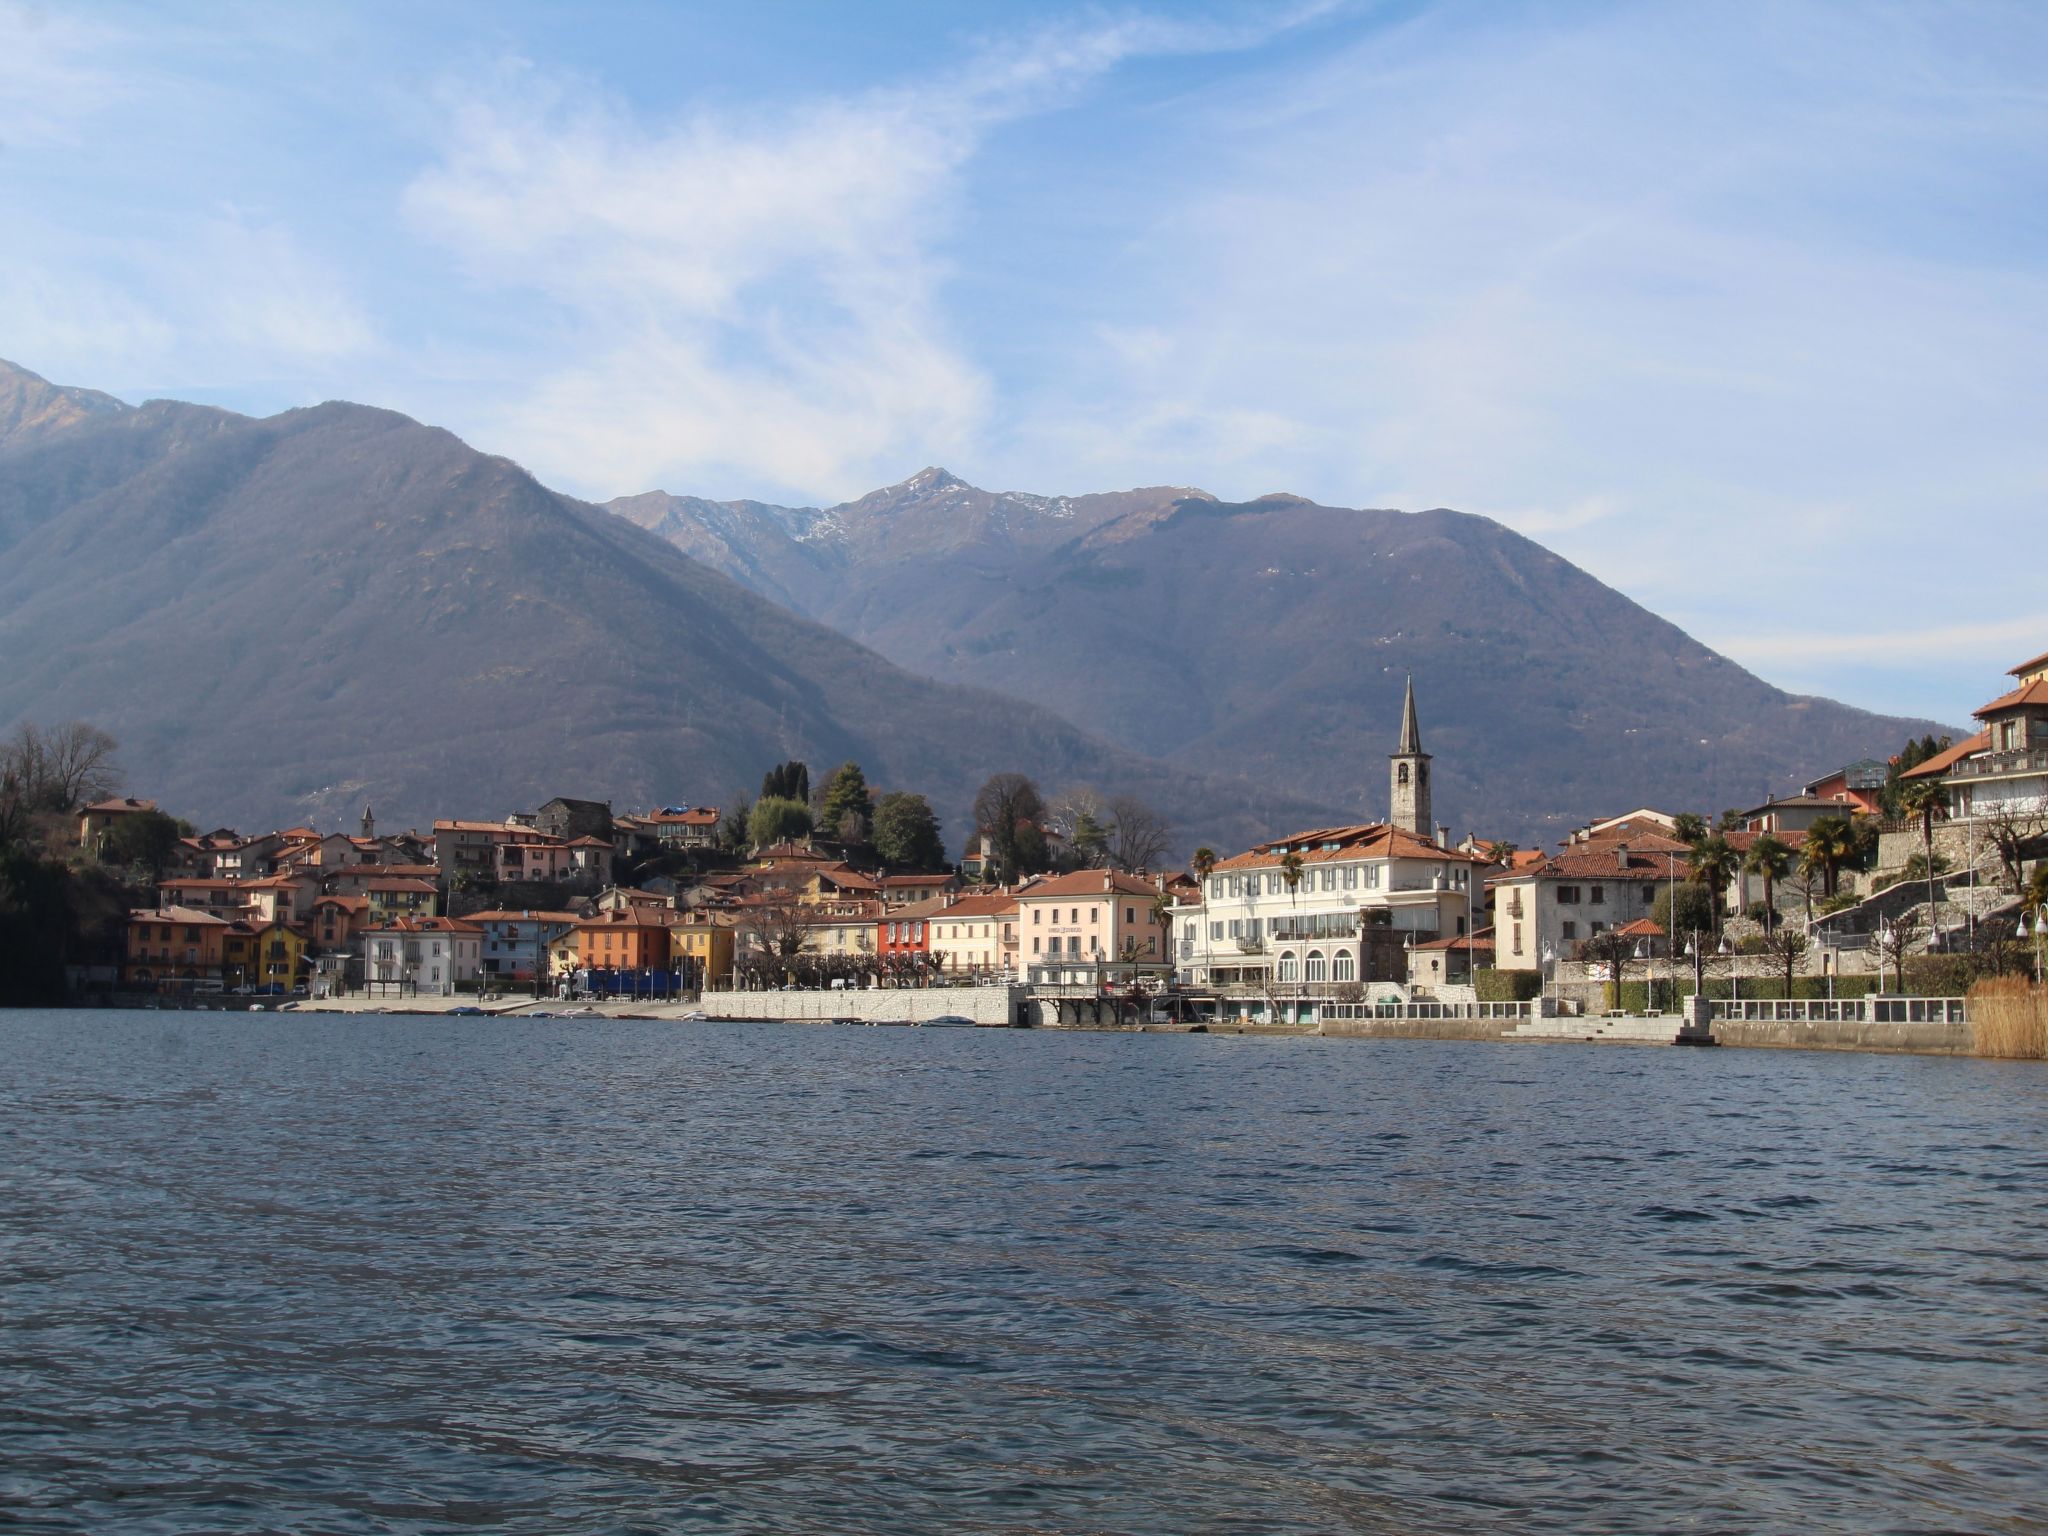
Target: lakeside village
[(1912, 879)]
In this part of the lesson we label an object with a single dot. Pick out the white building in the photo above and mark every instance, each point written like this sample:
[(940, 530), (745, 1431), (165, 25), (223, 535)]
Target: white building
[(430, 954), (1334, 905)]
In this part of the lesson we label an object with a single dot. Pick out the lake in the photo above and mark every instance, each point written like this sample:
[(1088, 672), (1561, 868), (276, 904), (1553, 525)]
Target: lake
[(345, 1274)]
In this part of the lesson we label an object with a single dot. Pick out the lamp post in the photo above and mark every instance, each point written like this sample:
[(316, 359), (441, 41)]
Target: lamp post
[(1734, 970)]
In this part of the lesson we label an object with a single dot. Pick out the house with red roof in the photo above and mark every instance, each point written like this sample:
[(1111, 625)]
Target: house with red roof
[(1329, 906)]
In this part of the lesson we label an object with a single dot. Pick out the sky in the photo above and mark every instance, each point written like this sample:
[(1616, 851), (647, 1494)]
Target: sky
[(1740, 307)]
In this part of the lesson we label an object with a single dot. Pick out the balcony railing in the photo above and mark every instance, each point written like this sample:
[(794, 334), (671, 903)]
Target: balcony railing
[(1998, 764)]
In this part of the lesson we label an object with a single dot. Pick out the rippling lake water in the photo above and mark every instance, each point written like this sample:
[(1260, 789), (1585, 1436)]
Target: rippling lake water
[(359, 1274)]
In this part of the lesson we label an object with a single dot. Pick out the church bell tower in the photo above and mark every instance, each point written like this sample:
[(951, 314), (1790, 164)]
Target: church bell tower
[(1409, 776)]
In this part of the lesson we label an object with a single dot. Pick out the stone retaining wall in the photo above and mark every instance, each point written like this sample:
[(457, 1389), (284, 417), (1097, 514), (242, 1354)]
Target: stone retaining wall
[(1945, 1039), (1419, 1029), (984, 1005)]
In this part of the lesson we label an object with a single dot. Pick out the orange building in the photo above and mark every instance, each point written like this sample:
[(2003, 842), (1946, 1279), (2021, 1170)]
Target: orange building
[(628, 941), (173, 947)]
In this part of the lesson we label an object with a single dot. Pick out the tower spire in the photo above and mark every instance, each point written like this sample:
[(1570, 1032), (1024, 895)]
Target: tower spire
[(1408, 804), (1411, 733)]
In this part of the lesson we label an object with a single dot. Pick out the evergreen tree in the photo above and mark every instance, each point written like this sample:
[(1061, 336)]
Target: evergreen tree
[(847, 796), (787, 781), (906, 833)]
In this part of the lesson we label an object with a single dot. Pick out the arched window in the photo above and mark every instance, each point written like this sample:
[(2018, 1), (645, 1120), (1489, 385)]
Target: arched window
[(1315, 968), (1401, 775), (1342, 968), (1287, 965)]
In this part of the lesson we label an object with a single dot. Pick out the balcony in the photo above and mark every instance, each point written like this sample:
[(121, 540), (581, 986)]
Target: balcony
[(2002, 764)]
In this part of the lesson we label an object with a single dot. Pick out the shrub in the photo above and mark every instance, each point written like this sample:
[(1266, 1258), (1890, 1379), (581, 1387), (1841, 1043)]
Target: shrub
[(1494, 986)]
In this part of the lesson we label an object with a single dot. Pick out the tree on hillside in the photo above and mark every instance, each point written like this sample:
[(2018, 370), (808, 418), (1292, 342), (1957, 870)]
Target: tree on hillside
[(849, 805), (1773, 860), (787, 781), (146, 839), (1008, 809), (906, 833), (1713, 865), (1830, 843), (1138, 835), (776, 820), (735, 826), (1087, 842), (61, 767)]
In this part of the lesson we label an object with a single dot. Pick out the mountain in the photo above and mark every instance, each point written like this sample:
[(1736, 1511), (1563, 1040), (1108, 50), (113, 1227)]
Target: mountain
[(31, 407), (1272, 638), (285, 619)]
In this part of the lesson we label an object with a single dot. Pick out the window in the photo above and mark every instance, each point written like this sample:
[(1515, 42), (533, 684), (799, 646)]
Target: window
[(1350, 877), (1216, 932), (1288, 966), (1034, 918), (1515, 938), (1329, 879), (1074, 944), (1314, 970), (1568, 895), (1131, 915), (1342, 967), (1598, 896), (1034, 943), (1571, 930)]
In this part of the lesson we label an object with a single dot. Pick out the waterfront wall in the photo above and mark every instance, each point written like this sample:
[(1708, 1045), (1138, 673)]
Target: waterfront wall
[(1419, 1029), (1931, 1038), (893, 1005)]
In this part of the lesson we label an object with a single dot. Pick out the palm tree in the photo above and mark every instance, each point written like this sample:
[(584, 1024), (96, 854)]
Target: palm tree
[(1500, 853), (1203, 861), (1290, 871), (1688, 828), (1162, 913), (1773, 860), (1922, 798), (1829, 841), (1713, 863)]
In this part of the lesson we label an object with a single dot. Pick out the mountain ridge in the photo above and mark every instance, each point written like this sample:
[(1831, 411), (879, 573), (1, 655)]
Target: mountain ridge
[(284, 618), (1270, 637)]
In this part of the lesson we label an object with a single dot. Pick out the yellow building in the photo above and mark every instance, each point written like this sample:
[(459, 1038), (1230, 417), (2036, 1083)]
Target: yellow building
[(707, 944)]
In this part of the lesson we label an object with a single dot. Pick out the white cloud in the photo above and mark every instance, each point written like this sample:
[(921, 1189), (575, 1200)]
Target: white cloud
[(755, 302)]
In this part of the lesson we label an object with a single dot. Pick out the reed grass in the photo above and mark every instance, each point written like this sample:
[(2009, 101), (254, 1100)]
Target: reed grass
[(2009, 1018)]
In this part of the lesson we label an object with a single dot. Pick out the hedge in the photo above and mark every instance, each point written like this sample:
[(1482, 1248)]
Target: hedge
[(1507, 986)]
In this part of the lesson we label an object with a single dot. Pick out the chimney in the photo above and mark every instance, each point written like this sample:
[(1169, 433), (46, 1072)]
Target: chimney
[(1443, 834)]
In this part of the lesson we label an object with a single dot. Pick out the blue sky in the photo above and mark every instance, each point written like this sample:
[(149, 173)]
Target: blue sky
[(1740, 307)]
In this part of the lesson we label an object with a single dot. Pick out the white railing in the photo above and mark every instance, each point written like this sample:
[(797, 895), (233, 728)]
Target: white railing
[(1860, 1010)]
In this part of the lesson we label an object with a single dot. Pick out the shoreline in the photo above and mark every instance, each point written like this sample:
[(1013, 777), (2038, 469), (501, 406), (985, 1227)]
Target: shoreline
[(1928, 1039)]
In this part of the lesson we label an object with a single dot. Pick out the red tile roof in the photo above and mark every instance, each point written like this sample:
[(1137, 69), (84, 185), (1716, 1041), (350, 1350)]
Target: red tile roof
[(1947, 758), (1088, 882), (1331, 844), (2035, 692)]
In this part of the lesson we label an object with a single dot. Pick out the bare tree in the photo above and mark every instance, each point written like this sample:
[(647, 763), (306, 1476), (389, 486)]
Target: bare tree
[(778, 931), (1007, 804), (59, 768), (1893, 940), (2015, 832), (1787, 946), (1138, 835), (1610, 949)]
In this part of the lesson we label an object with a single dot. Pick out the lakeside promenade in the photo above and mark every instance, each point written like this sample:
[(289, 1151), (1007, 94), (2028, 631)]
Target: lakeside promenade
[(1946, 1033)]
